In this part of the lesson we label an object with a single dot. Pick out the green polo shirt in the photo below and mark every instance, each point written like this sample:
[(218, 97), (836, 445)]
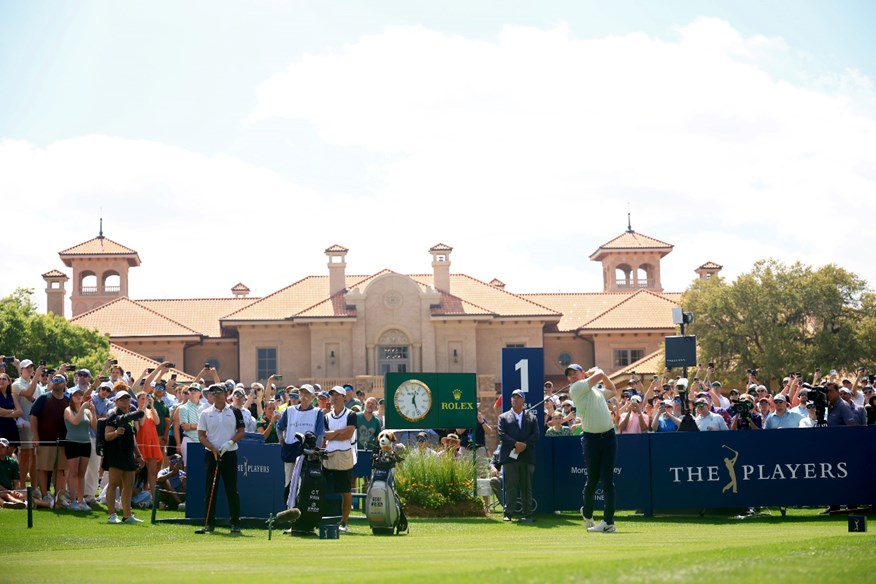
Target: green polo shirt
[(591, 407), (8, 472)]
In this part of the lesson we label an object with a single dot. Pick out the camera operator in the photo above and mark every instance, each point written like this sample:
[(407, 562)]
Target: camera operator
[(870, 408), (745, 417), (838, 412), (121, 457)]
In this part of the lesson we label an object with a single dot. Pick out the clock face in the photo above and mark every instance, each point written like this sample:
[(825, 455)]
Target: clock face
[(413, 400)]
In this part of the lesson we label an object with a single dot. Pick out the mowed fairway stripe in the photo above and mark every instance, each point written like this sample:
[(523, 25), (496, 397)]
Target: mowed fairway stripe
[(801, 547)]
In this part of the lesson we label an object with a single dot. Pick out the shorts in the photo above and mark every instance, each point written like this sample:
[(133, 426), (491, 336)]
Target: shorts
[(338, 481), (45, 459), (77, 450)]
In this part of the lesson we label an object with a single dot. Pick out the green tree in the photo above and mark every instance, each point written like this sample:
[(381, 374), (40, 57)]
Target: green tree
[(47, 337), (780, 318)]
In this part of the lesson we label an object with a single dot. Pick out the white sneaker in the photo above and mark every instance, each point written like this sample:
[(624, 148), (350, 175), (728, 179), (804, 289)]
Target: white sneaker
[(74, 506), (602, 527), (343, 528), (181, 506), (83, 506), (133, 520), (113, 519), (48, 499)]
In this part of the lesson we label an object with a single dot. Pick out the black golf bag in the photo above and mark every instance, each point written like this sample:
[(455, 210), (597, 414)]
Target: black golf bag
[(382, 506), (307, 489)]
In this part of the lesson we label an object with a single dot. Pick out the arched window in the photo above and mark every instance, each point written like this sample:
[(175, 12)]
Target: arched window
[(393, 352)]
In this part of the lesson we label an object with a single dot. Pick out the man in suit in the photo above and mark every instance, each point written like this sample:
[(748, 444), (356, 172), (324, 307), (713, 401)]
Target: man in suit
[(518, 434)]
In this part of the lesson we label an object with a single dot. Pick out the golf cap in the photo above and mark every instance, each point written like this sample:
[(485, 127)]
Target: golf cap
[(845, 390), (83, 372), (195, 387), (780, 398), (716, 384), (105, 385), (307, 388), (636, 398), (338, 390), (238, 393), (519, 393), (4, 442), (701, 400), (348, 387), (25, 364), (574, 367), (217, 388), (122, 395), (732, 391), (668, 402), (323, 394)]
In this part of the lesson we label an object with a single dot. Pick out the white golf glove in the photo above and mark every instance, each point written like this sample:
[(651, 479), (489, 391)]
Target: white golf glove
[(226, 447)]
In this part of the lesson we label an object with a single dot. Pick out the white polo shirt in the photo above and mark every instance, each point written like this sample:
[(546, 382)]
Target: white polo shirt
[(220, 425)]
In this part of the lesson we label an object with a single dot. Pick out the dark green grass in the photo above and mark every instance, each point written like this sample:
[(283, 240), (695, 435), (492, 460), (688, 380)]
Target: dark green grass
[(802, 547)]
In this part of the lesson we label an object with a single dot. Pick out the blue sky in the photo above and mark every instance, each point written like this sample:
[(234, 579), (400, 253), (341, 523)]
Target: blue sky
[(257, 134)]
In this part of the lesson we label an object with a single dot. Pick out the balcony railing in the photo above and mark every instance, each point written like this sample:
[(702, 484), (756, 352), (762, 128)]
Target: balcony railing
[(95, 291), (633, 285)]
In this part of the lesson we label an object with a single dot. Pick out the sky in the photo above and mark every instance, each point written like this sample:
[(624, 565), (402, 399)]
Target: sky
[(233, 142)]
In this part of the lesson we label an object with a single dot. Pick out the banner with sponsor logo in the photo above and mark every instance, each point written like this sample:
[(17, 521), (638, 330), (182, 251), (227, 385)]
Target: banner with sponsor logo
[(260, 478), (807, 466), (631, 473)]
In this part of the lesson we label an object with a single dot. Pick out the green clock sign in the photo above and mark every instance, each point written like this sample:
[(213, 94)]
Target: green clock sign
[(430, 400)]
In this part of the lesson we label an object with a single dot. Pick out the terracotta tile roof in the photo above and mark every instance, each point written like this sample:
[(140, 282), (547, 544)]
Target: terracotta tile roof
[(124, 317), (100, 246), (641, 310), (440, 247), (199, 314), (710, 266), (303, 296), (137, 363), (652, 364), (632, 241), (336, 248), (480, 298), (577, 308), (55, 274)]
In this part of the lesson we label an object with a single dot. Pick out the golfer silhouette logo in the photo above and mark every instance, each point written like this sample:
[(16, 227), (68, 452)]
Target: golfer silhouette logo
[(245, 466), (856, 526), (730, 463)]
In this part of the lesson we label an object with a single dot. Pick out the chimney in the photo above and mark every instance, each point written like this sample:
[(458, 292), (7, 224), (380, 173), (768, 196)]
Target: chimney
[(337, 266), (240, 291), (441, 267), (56, 296)]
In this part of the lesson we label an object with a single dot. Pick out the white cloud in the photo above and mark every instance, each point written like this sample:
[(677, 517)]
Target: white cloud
[(521, 153)]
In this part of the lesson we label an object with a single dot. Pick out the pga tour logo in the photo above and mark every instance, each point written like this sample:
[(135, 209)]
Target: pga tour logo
[(756, 472)]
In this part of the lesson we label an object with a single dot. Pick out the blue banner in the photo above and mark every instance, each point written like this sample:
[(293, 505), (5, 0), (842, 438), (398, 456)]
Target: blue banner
[(260, 478), (806, 466), (631, 473)]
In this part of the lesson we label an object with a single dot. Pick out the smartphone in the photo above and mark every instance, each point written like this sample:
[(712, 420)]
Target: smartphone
[(206, 365), (9, 359), (278, 377), (150, 370), (42, 363), (171, 365), (173, 377), (104, 378), (114, 361)]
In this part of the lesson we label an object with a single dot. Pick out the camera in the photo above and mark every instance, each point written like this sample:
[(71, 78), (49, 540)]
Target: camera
[(173, 377), (752, 372), (114, 361), (42, 363), (743, 411), (711, 364), (206, 365)]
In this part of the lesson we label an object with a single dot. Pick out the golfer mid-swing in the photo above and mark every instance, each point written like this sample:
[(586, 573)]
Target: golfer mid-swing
[(220, 428)]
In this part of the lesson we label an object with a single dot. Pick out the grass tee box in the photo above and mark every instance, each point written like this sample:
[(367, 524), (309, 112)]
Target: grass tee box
[(801, 547)]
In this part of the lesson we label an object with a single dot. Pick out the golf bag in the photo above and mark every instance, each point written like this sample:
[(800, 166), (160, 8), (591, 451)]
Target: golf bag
[(382, 506), (307, 489)]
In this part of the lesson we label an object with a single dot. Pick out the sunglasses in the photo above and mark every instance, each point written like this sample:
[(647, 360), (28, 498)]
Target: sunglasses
[(701, 405)]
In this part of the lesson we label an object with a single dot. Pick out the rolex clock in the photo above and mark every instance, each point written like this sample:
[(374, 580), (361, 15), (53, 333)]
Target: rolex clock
[(413, 400)]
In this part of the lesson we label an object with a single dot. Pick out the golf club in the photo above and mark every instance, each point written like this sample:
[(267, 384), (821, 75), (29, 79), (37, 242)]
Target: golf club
[(210, 501)]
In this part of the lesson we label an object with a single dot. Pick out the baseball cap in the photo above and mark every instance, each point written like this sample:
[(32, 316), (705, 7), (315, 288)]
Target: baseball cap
[(323, 394), (308, 388), (701, 400), (82, 372), (573, 367), (337, 389), (519, 393), (348, 387), (716, 384), (780, 398), (257, 385), (668, 402), (238, 392), (4, 442), (845, 390), (105, 385), (195, 387), (568, 402), (732, 391), (26, 363), (636, 398), (122, 395), (217, 388)]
